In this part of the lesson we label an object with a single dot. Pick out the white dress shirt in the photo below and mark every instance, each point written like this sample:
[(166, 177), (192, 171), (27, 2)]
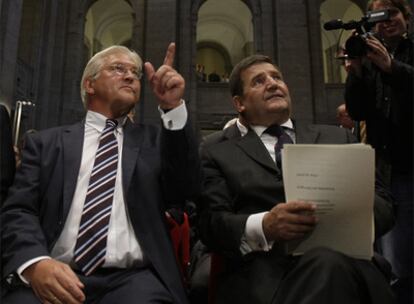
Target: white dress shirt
[(253, 238), (123, 248)]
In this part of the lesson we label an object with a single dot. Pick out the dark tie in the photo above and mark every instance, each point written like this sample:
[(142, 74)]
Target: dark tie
[(282, 138), (90, 246)]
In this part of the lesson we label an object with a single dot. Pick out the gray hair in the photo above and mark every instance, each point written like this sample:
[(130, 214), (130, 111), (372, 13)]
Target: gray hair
[(97, 62)]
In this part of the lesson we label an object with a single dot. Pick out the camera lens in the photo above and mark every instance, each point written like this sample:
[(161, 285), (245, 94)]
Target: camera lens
[(355, 47)]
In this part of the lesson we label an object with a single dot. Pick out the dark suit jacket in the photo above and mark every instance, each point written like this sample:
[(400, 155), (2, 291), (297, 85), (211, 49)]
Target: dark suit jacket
[(7, 160), (160, 170), (241, 179)]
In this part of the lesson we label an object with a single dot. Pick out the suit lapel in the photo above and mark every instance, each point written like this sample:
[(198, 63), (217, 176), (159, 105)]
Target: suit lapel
[(249, 143), (253, 146), (72, 138), (133, 138)]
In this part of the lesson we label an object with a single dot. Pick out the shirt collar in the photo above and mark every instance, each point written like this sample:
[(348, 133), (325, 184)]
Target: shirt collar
[(260, 129), (97, 121)]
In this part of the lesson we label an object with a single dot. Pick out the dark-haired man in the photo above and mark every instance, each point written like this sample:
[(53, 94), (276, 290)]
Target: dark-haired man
[(244, 215)]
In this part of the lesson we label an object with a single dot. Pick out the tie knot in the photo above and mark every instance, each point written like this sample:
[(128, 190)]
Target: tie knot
[(111, 124), (274, 130)]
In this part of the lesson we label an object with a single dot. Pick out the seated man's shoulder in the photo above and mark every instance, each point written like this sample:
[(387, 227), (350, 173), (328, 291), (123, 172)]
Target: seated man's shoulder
[(213, 138), (222, 138), (330, 134), (46, 134), (327, 128)]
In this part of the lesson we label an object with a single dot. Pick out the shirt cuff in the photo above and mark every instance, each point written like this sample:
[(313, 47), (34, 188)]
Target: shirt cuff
[(27, 264), (176, 118), (253, 238)]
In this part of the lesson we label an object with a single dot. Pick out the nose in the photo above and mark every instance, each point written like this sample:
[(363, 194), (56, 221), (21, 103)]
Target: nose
[(128, 72), (129, 75), (271, 82)]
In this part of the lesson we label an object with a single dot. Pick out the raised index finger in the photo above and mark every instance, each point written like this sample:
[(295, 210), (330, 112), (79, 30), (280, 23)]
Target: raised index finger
[(169, 56)]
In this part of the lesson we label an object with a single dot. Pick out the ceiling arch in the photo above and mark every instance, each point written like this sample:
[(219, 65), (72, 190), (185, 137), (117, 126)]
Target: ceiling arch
[(227, 23), (108, 22)]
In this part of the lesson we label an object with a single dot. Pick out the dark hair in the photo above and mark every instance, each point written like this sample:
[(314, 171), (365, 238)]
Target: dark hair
[(402, 5), (235, 81)]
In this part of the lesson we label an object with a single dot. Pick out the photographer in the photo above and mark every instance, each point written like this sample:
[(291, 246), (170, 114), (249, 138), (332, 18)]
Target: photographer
[(379, 89)]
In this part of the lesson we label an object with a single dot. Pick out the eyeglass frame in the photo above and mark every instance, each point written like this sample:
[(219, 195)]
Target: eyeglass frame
[(120, 69)]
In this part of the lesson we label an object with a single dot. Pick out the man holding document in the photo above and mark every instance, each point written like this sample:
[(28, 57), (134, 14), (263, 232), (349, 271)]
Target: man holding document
[(246, 217)]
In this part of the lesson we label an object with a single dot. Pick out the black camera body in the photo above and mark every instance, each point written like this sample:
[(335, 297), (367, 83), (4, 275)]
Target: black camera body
[(356, 46)]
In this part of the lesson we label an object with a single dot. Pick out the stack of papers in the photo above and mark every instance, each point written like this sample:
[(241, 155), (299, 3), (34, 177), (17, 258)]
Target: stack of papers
[(340, 180)]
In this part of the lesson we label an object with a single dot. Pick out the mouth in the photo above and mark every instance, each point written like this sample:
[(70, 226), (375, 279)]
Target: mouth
[(128, 88), (274, 96), (389, 26)]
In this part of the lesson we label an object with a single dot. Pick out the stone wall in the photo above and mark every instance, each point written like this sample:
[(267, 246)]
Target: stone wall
[(287, 30)]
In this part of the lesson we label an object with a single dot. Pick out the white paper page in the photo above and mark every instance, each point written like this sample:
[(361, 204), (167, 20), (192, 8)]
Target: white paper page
[(339, 179)]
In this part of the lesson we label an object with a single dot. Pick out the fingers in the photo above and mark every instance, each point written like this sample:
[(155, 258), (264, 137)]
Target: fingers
[(74, 277), (72, 286), (288, 221), (54, 282), (167, 84), (379, 55), (61, 294), (168, 78), (299, 207), (160, 78), (376, 46), (169, 56)]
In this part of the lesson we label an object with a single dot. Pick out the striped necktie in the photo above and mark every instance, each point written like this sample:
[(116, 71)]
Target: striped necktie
[(90, 246), (363, 132), (282, 138)]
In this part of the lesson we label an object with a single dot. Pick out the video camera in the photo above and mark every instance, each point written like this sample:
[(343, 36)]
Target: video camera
[(355, 46)]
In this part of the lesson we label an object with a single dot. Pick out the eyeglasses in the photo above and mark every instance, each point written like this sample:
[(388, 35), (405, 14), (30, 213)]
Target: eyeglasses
[(121, 70)]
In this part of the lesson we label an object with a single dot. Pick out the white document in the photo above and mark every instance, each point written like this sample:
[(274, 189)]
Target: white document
[(340, 180)]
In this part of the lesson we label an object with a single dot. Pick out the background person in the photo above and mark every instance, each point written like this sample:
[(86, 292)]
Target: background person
[(343, 118), (379, 90)]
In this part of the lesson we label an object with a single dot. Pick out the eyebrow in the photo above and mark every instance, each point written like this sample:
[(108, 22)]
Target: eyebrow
[(124, 64), (272, 72)]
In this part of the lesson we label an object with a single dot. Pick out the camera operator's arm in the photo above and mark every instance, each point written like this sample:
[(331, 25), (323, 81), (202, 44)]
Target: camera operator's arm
[(399, 74)]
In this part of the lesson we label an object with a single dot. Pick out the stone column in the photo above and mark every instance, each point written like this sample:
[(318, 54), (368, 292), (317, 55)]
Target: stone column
[(9, 42), (160, 29), (294, 55)]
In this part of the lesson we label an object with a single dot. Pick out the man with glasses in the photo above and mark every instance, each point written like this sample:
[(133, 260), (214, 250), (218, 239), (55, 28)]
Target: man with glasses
[(379, 89), (85, 218)]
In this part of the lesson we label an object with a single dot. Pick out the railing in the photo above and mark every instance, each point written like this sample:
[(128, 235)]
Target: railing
[(23, 119)]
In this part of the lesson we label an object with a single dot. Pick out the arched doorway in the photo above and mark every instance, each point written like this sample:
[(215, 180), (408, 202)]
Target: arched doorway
[(224, 35), (332, 40), (108, 22)]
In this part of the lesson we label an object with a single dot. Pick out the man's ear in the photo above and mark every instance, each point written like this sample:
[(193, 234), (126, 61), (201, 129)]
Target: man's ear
[(238, 103), (89, 87)]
